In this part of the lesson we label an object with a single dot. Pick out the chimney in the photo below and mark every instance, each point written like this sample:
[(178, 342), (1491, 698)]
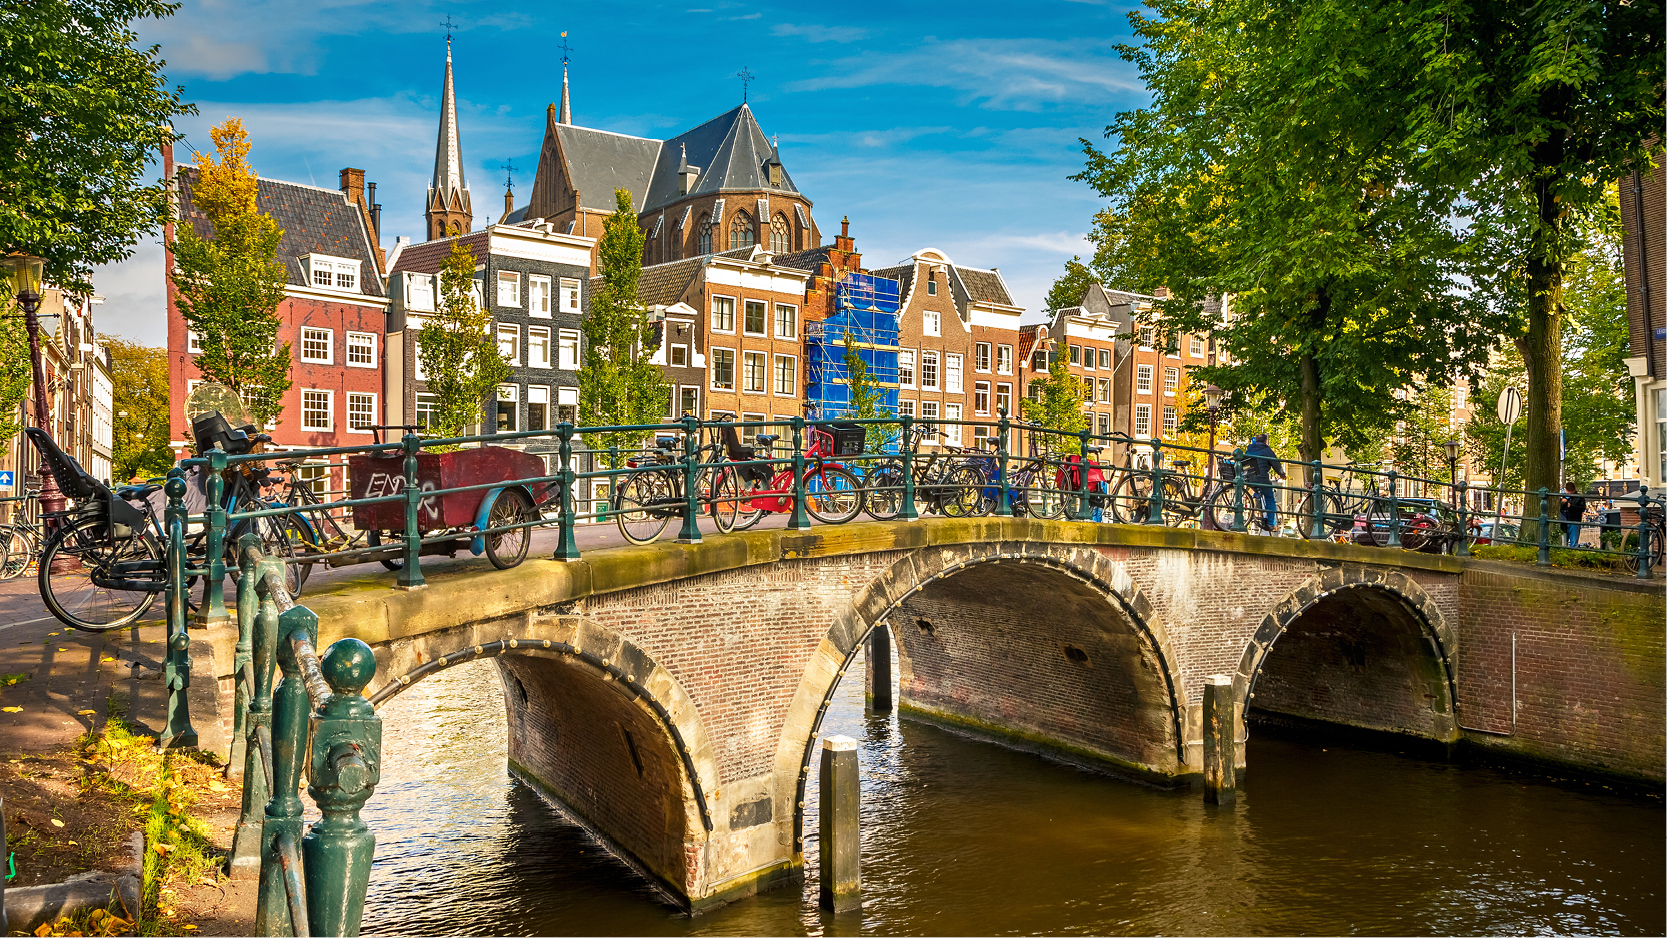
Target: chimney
[(353, 184), (845, 227), (375, 213), (1161, 293)]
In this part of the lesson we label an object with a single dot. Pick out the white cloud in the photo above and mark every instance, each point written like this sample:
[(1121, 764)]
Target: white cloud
[(813, 33), (135, 296)]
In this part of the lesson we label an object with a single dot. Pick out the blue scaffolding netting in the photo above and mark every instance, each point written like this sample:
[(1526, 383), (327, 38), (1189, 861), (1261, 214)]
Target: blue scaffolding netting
[(865, 313)]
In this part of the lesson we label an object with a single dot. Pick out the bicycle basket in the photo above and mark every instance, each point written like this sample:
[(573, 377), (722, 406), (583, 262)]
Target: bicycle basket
[(848, 438), (1228, 469)]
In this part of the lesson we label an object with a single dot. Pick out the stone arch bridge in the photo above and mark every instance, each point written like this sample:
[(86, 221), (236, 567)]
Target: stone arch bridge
[(670, 695)]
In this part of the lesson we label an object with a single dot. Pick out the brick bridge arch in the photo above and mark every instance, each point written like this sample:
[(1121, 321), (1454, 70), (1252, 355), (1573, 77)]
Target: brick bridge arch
[(1081, 568)]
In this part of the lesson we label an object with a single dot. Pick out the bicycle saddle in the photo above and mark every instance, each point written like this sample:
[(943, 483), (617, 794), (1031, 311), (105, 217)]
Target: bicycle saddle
[(767, 439), (135, 492), (1181, 462)]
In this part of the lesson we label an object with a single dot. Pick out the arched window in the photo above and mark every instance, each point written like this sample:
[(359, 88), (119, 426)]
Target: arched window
[(780, 237), (703, 235), (740, 231)]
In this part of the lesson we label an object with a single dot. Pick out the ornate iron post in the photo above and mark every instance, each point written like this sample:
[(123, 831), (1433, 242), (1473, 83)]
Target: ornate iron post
[(1394, 510), (1083, 512), (1316, 501), (1544, 557), (213, 609), (1644, 552), (1154, 502), (346, 766), (280, 874), (691, 482), (800, 519), (1004, 508), (248, 607), (568, 547), (1238, 490), (176, 672), (905, 449), (411, 574), (1462, 548), (248, 844)]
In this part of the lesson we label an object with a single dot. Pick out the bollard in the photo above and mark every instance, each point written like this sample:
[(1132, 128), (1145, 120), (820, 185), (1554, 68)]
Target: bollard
[(411, 574), (346, 765), (877, 669), (275, 913), (799, 519), (691, 482), (248, 606), (1462, 548), (177, 733), (567, 548), (213, 609), (1394, 511), (1238, 490), (1083, 512), (841, 839), (908, 455), (1220, 778), (1004, 508)]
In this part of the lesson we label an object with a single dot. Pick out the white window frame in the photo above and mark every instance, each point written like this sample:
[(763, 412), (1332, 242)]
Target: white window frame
[(193, 342), (512, 280), (763, 360), (329, 339), (1004, 359), (334, 268), (1003, 389), (906, 368), (929, 410), (981, 358), (683, 389), (569, 339), (534, 334), (712, 372), (905, 408), (713, 322), (1143, 379), (359, 397), (952, 431), (1195, 346), (952, 378), (509, 329), (371, 336), (792, 375), (1105, 358), (672, 355), (539, 296), (1143, 415), (1171, 380), (569, 299), (931, 322), (750, 304), (1171, 418), (929, 354), (981, 398), (792, 332), (423, 298), (1104, 389), (417, 407), (538, 390), (329, 411)]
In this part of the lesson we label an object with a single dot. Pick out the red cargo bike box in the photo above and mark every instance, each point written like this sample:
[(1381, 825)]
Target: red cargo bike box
[(379, 476)]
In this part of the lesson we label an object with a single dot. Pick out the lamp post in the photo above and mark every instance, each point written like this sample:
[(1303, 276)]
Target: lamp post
[(1453, 467), (1212, 403), (26, 273)]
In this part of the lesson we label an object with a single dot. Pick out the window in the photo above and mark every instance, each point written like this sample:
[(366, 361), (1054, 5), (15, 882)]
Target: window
[(1076, 354), (952, 373), (538, 408), (509, 288), (570, 296), (749, 435), (1039, 361), (703, 235), (1143, 379), (678, 356), (317, 345), (740, 231), (1105, 424), (333, 273), (538, 296), (723, 314), (931, 284), (1146, 336), (906, 368), (723, 369), (905, 408), (1169, 418), (361, 349), (425, 411), (952, 431), (981, 398), (787, 321), (929, 410), (567, 350), (419, 291), (688, 400), (1171, 380), (193, 342), (1004, 359), (1004, 398), (315, 409), (509, 342), (507, 398), (1105, 390), (787, 375), (538, 347), (931, 322), (981, 357), (1143, 420), (1196, 346), (756, 320), (929, 369), (361, 412), (1105, 358), (752, 372), (780, 243), (315, 476)]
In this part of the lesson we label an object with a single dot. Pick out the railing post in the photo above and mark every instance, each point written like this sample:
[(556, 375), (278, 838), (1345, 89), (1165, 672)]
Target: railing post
[(800, 518), (213, 609), (247, 843), (1544, 557), (346, 766), (1394, 511), (691, 482), (178, 733), (567, 548), (281, 834), (248, 607), (906, 452), (1238, 490), (1080, 510), (1643, 571), (1316, 503), (1462, 548), (411, 574), (1004, 508), (1154, 501)]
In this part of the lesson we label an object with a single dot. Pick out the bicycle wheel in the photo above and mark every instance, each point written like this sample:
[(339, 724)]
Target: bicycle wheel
[(965, 495), (82, 553), (832, 495), (1331, 514), (640, 506), (883, 491), (1178, 506), (1652, 550), (1218, 508), (19, 546), (1043, 500), (1131, 500), (726, 499), (373, 538), (509, 548)]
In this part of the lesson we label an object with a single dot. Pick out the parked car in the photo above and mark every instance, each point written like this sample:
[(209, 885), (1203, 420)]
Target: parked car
[(1508, 533)]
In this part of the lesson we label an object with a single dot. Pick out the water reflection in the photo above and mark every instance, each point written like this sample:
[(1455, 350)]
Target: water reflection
[(961, 837)]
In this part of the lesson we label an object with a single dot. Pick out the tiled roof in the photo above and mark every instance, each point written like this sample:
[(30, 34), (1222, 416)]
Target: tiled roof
[(314, 220), (598, 162), (904, 275), (984, 286), (665, 284), (810, 260), (427, 257)]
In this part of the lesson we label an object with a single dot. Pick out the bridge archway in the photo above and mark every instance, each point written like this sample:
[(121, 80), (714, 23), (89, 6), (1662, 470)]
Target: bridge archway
[(972, 640), (596, 723), (1356, 647)]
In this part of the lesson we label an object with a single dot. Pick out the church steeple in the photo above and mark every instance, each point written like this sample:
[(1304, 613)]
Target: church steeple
[(566, 106), (448, 192)]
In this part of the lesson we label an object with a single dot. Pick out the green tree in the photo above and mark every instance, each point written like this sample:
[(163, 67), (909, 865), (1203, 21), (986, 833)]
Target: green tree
[(228, 287), (867, 400), (619, 385), (456, 351), (1537, 106), (1068, 290), (1055, 402), (1419, 447), (1273, 166), (82, 114), (16, 377), (140, 375)]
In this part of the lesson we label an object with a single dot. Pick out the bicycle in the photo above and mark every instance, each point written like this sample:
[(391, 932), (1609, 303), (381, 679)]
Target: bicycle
[(743, 494), (1655, 538), (647, 499), (20, 541), (942, 484)]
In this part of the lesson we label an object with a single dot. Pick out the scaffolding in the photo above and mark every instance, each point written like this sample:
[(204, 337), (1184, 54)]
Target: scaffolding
[(865, 312)]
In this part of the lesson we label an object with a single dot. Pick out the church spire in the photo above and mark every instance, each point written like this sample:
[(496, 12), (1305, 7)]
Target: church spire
[(566, 106), (448, 192)]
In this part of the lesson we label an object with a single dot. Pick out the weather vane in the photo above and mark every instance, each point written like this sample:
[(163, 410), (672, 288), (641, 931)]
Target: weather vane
[(449, 27), (508, 166), (747, 78), (564, 49)]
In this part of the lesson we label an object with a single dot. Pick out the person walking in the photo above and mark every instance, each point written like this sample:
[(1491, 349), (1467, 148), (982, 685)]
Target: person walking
[(1261, 463), (1573, 510)]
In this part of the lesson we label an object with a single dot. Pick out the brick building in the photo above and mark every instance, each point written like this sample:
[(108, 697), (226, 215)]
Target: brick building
[(1644, 248), (334, 313)]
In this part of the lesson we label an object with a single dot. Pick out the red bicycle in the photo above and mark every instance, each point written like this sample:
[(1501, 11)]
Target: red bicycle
[(746, 489)]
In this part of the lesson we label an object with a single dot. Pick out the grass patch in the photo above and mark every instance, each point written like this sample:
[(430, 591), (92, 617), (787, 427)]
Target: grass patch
[(1560, 556)]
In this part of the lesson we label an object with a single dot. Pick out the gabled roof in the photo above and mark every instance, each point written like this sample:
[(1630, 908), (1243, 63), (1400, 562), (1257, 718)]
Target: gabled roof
[(811, 259), (904, 275), (314, 220), (665, 284), (598, 162), (983, 286), (427, 257)]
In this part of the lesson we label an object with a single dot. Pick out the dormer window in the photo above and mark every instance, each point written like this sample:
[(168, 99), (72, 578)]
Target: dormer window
[(332, 273)]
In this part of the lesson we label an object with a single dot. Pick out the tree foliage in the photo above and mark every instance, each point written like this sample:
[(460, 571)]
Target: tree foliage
[(1068, 290), (1419, 447), (619, 385), (868, 400), (1055, 402), (16, 375), (228, 286), (1274, 166), (82, 114), (459, 359), (141, 406)]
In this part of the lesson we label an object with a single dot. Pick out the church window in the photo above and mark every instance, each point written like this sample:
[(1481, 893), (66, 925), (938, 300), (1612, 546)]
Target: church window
[(740, 231), (703, 235), (779, 239)]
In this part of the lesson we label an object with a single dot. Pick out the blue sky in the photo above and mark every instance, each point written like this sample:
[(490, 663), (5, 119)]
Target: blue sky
[(949, 125)]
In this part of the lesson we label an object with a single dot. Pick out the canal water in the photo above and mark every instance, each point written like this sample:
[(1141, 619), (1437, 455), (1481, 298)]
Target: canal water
[(964, 837)]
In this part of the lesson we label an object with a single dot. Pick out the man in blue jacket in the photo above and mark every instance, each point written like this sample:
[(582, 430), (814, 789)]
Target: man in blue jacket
[(1261, 463)]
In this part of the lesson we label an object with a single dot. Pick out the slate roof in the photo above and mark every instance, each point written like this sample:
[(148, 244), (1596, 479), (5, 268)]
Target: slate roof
[(665, 284), (427, 257), (811, 259), (598, 162), (904, 275), (984, 286), (314, 220)]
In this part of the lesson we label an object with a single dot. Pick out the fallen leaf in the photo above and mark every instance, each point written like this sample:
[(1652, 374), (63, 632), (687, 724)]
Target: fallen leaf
[(11, 709), (85, 712), (63, 649), (107, 659), (57, 823)]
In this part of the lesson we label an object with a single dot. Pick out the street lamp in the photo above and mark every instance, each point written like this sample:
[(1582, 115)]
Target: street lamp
[(1453, 467), (1212, 403), (26, 273)]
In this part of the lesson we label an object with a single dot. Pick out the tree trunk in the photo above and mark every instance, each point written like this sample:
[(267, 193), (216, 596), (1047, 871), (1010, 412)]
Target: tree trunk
[(1313, 441), (1542, 347)]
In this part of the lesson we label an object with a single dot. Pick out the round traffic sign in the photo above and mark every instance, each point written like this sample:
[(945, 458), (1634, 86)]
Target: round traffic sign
[(1510, 405)]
